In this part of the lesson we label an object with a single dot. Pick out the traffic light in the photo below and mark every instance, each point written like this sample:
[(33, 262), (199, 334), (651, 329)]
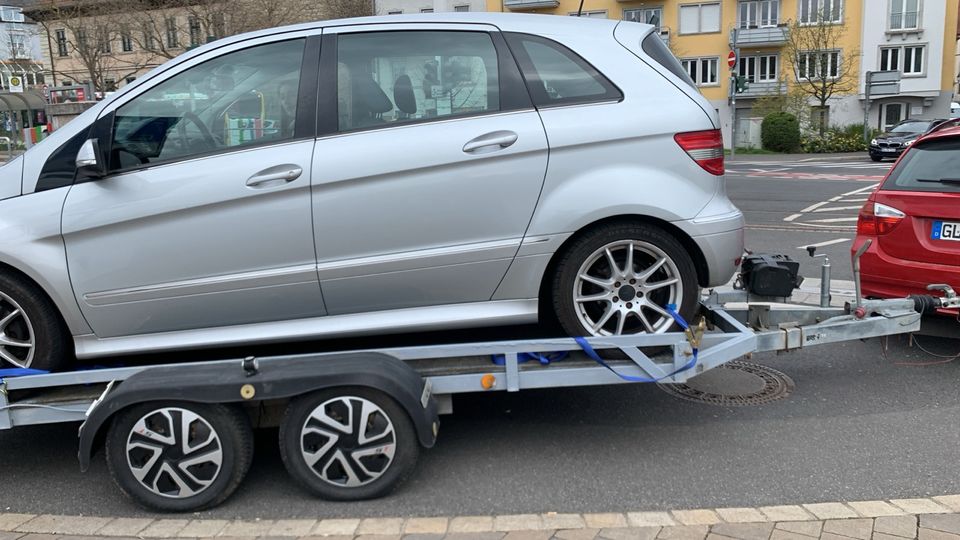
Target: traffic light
[(740, 83)]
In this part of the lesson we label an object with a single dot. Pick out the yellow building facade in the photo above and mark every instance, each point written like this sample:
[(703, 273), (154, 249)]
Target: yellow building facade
[(877, 35)]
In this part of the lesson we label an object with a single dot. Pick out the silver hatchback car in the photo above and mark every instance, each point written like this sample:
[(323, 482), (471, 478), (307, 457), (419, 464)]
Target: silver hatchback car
[(378, 175)]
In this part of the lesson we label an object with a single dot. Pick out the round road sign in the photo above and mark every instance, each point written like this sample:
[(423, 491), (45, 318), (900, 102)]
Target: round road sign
[(732, 59)]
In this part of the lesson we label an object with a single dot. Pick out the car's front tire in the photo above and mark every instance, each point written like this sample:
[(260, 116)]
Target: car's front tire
[(876, 158), (32, 334), (616, 279)]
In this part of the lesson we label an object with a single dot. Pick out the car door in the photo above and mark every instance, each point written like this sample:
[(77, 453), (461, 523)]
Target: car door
[(429, 168), (203, 219)]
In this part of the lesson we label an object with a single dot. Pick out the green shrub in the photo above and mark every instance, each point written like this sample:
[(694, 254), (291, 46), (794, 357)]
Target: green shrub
[(780, 132)]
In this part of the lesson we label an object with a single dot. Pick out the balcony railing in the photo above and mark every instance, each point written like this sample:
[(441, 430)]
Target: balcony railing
[(530, 4), (760, 37), (764, 88)]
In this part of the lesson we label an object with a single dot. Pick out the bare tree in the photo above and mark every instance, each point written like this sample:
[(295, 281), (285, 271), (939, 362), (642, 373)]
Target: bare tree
[(89, 30), (821, 66), (339, 9)]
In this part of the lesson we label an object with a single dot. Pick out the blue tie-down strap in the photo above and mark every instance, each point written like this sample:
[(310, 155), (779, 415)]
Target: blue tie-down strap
[(544, 358), (672, 310), (20, 372)]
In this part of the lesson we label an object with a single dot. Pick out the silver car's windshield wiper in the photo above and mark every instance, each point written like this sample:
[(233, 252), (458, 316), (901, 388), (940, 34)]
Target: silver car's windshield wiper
[(940, 180)]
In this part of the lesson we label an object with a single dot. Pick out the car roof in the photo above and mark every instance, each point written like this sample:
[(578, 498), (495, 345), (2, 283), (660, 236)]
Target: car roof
[(943, 133)]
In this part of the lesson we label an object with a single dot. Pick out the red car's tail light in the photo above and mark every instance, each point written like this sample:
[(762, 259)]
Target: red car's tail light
[(704, 147), (877, 219)]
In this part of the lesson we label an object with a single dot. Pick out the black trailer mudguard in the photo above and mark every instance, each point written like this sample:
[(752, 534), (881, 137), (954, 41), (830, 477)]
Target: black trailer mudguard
[(276, 378)]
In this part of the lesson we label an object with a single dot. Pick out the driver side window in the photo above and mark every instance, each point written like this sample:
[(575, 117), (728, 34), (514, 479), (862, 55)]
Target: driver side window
[(242, 98)]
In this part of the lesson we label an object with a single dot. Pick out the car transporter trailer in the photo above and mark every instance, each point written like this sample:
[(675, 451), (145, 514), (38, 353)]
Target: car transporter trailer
[(178, 437)]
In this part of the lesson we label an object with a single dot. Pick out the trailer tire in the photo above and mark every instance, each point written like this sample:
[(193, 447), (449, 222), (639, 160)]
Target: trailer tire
[(222, 450), (313, 426)]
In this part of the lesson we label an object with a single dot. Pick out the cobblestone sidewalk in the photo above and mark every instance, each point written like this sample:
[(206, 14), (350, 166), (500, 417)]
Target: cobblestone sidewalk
[(936, 518)]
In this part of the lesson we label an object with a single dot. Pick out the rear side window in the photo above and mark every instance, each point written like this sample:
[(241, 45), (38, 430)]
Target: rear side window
[(555, 75), (386, 78), (931, 166), (658, 51)]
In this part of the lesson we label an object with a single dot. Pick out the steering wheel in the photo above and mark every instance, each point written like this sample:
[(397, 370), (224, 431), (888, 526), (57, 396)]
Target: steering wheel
[(204, 132)]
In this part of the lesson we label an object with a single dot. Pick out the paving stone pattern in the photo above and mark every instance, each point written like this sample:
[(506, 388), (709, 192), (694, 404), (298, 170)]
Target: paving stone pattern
[(936, 518)]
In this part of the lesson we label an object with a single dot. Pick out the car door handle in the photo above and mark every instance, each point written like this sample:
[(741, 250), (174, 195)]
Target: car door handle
[(490, 142), (274, 176)]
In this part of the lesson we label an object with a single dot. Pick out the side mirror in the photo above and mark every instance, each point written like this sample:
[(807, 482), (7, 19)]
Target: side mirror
[(90, 162)]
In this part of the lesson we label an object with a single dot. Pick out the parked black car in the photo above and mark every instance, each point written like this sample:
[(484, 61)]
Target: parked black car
[(892, 143)]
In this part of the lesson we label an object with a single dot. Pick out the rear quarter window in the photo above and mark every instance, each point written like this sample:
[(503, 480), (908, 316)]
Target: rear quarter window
[(658, 51), (930, 166), (555, 75)]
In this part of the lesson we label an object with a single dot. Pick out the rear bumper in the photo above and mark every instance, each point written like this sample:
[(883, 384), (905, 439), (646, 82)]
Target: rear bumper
[(721, 245), (883, 276)]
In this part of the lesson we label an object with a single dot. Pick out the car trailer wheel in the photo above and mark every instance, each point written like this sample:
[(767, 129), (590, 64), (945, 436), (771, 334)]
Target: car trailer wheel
[(348, 444), (179, 456)]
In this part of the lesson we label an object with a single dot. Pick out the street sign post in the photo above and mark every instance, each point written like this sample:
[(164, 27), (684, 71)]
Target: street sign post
[(732, 58), (878, 83)]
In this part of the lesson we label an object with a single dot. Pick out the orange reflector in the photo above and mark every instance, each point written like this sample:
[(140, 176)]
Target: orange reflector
[(488, 381)]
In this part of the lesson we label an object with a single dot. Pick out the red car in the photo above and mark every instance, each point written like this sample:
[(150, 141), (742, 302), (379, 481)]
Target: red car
[(913, 219)]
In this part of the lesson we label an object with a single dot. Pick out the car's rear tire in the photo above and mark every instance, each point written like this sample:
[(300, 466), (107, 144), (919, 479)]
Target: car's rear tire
[(596, 294), (32, 335)]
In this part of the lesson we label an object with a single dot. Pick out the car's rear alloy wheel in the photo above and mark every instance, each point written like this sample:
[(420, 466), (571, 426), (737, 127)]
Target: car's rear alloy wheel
[(17, 339), (618, 280)]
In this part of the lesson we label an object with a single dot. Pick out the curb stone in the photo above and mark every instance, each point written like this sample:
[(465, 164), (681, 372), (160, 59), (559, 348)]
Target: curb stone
[(935, 517)]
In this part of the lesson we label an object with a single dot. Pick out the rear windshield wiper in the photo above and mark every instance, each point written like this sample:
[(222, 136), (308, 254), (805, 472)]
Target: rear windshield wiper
[(940, 180)]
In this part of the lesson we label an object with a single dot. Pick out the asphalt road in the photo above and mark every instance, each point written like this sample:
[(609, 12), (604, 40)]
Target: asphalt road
[(859, 424)]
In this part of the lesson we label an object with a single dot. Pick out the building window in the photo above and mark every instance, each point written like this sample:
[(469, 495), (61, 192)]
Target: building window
[(908, 60), (892, 114), (11, 14), (699, 18), (461, 9), (172, 32), (763, 68), (126, 40), (818, 65), (18, 46), (904, 14), (149, 39), (703, 71), (195, 31), (61, 39), (103, 40), (818, 11), (81, 37), (758, 13), (652, 16)]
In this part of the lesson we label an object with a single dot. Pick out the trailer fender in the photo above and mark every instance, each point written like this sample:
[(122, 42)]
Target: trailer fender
[(274, 378)]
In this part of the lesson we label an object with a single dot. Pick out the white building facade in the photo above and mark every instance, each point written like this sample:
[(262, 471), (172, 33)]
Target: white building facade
[(396, 7), (906, 36), (21, 54)]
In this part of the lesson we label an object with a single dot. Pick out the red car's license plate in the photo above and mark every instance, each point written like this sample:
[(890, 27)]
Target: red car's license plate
[(945, 230)]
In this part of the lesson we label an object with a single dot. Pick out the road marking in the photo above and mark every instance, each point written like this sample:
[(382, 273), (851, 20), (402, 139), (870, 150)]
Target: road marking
[(837, 208), (861, 190), (793, 217), (813, 207), (824, 244), (835, 220)]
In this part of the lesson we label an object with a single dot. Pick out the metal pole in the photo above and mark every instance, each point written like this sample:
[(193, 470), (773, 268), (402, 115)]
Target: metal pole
[(580, 11), (825, 283), (733, 121), (866, 108)]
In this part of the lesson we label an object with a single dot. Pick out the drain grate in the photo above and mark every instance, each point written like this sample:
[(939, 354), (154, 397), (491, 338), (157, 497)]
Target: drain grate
[(734, 384)]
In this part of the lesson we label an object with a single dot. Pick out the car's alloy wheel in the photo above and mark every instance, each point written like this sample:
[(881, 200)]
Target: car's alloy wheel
[(17, 338), (618, 278), (623, 287), (348, 444)]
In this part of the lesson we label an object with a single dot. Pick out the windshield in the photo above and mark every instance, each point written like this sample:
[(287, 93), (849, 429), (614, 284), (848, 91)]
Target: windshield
[(926, 163), (911, 127)]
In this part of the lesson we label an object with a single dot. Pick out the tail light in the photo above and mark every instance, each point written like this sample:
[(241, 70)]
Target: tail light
[(704, 147), (876, 219)]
